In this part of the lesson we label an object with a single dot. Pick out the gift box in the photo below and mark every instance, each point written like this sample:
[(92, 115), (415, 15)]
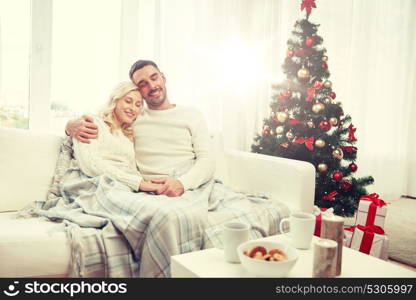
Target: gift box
[(371, 211), (370, 240), (348, 233), (319, 212)]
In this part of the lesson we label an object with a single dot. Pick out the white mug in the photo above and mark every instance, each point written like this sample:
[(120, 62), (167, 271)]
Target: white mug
[(302, 226), (234, 234)]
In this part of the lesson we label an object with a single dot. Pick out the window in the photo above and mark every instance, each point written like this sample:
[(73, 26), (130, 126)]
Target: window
[(85, 57), (14, 63)]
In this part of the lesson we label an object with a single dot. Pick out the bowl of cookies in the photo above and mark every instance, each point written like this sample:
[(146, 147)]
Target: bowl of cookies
[(267, 258)]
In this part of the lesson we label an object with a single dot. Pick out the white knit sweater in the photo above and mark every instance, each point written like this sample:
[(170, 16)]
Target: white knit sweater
[(168, 139), (111, 153)]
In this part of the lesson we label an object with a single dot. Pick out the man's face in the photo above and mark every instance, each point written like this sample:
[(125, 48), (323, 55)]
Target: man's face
[(151, 84)]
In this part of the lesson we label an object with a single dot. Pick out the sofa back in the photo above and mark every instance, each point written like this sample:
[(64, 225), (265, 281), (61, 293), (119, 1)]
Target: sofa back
[(27, 165)]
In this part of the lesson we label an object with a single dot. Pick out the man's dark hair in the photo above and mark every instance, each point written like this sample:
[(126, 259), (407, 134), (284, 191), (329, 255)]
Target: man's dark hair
[(141, 64)]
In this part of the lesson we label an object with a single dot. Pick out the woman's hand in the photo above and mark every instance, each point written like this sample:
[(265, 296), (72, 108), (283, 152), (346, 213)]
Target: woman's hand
[(147, 186)]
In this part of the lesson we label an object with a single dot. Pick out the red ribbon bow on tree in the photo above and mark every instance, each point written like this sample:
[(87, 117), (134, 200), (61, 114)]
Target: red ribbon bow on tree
[(308, 142), (351, 131), (294, 122), (311, 94), (308, 5), (348, 149), (330, 196)]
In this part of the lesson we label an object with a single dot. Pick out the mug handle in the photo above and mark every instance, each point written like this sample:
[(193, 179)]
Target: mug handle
[(281, 226)]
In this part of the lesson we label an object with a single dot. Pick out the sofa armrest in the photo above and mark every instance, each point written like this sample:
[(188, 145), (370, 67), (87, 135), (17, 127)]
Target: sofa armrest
[(287, 180)]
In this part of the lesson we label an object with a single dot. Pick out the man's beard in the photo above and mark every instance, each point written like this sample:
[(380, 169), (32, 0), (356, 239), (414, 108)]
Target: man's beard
[(156, 102)]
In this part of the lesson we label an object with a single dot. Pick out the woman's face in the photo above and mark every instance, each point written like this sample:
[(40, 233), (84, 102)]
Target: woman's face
[(129, 107)]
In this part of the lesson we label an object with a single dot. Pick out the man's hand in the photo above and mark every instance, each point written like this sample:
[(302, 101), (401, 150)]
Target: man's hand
[(147, 186), (171, 187), (82, 129)]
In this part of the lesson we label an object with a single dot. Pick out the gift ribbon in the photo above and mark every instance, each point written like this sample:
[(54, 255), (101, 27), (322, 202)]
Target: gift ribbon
[(368, 237), (372, 210), (318, 222), (350, 228), (308, 142)]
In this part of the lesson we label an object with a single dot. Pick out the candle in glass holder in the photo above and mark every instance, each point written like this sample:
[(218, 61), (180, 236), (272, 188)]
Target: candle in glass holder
[(332, 228), (324, 258)]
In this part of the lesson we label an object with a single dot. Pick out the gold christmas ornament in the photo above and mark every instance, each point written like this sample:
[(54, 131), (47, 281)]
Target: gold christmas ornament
[(327, 100), (316, 108), (333, 121), (279, 129), (322, 167), (282, 116), (285, 145), (338, 154), (327, 84), (325, 58), (320, 143), (303, 73)]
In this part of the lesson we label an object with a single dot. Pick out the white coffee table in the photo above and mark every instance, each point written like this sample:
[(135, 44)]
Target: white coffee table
[(211, 263)]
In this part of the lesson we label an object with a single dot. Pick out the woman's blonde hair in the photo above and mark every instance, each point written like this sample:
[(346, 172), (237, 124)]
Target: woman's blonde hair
[(107, 114)]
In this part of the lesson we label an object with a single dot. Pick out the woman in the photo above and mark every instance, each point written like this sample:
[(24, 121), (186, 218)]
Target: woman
[(112, 153)]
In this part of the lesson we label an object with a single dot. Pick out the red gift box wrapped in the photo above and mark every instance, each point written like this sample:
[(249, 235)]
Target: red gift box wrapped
[(371, 211), (318, 215), (370, 240)]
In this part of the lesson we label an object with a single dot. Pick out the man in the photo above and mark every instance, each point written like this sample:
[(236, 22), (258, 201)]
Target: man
[(172, 142)]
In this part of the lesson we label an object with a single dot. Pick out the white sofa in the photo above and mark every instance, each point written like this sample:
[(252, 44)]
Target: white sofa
[(31, 248)]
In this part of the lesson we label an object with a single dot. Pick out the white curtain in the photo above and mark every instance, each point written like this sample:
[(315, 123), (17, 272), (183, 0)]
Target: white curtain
[(222, 56)]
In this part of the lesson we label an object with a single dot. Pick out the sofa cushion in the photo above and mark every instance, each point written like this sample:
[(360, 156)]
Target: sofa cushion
[(400, 226), (27, 161), (32, 247)]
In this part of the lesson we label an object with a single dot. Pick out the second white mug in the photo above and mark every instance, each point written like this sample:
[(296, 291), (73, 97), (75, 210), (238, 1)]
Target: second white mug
[(302, 226), (234, 234)]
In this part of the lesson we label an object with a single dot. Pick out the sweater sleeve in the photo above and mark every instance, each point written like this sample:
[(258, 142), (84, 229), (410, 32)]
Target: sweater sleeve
[(93, 162), (204, 167)]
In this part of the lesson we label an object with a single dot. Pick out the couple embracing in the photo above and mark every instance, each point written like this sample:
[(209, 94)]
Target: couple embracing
[(134, 186), (160, 139)]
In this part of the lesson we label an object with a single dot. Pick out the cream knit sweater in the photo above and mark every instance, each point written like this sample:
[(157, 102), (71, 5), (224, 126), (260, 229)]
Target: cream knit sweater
[(111, 154), (166, 140)]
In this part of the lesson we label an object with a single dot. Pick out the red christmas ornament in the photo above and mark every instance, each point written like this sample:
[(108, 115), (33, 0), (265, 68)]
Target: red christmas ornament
[(332, 95), (310, 40), (288, 94), (337, 176), (353, 167), (324, 66), (325, 125), (317, 85), (290, 52), (346, 185), (299, 52), (266, 131)]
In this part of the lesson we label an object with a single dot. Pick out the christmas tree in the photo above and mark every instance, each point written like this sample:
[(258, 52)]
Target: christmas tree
[(306, 123)]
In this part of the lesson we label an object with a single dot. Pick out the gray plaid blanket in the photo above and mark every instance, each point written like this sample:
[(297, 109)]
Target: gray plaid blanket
[(114, 232)]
